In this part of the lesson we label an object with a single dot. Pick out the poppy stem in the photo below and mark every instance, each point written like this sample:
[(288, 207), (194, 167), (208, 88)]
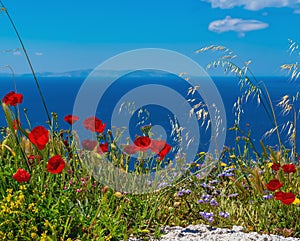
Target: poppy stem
[(28, 61)]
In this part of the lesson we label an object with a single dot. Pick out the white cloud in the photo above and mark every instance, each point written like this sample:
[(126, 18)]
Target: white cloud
[(236, 24), (297, 11), (17, 53), (253, 4), (38, 53)]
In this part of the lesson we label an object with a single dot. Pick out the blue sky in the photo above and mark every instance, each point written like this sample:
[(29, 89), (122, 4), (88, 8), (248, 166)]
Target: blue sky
[(71, 35)]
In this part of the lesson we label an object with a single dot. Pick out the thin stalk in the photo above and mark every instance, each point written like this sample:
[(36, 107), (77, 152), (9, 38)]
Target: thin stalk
[(28, 61)]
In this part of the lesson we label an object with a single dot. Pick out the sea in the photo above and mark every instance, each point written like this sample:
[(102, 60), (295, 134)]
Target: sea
[(60, 93)]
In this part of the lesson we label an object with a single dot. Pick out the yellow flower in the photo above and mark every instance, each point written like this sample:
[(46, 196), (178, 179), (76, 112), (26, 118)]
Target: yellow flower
[(222, 164), (108, 238), (33, 235), (269, 164), (30, 206), (23, 187), (202, 153), (232, 156), (9, 190), (47, 224), (296, 201), (118, 194)]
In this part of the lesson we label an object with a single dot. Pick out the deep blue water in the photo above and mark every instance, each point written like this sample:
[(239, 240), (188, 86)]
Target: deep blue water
[(60, 94)]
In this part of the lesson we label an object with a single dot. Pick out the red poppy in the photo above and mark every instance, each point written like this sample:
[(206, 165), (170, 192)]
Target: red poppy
[(161, 148), (93, 124), (274, 184), (131, 149), (275, 166), (12, 98), (39, 136), (142, 142), (21, 175), (32, 159), (71, 119), (289, 168), (102, 148), (55, 164), (89, 145), (164, 151), (157, 145), (288, 198), (16, 124), (278, 195)]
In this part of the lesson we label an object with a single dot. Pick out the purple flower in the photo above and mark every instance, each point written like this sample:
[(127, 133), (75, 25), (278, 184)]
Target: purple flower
[(207, 216), (269, 196), (183, 192), (228, 174), (200, 201), (233, 195), (206, 198), (213, 182), (224, 214), (213, 202)]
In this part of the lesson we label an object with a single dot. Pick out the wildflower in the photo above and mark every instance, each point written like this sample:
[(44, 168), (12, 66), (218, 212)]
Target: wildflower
[(205, 198), (213, 182), (89, 145), (33, 158), (296, 201), (12, 99), (93, 124), (16, 124), (183, 192), (289, 168), (164, 151), (213, 202), (230, 169), (222, 164), (21, 175), (55, 164), (78, 190), (118, 194), (39, 136), (269, 196), (278, 195), (224, 214), (274, 184), (275, 166), (143, 142), (161, 148), (71, 119), (207, 216), (285, 198), (103, 147), (233, 195), (232, 156)]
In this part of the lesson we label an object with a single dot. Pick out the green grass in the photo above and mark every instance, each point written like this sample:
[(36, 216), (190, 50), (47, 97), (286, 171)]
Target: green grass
[(73, 205)]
